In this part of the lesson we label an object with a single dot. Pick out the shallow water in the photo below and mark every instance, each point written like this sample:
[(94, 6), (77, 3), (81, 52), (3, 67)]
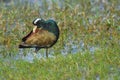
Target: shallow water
[(72, 47)]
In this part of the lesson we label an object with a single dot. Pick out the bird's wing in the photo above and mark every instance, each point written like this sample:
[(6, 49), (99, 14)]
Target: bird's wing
[(41, 38), (25, 38), (23, 45)]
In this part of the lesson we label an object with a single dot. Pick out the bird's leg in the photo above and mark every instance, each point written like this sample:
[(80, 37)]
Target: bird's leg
[(47, 52), (36, 50), (34, 53)]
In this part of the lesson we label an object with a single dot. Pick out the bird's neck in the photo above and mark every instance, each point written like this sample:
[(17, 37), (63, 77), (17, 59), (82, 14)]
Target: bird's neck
[(35, 29)]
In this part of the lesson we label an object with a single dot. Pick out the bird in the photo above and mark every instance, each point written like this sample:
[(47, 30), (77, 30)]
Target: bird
[(43, 36)]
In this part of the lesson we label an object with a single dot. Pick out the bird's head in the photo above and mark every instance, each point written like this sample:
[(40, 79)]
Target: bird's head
[(38, 22)]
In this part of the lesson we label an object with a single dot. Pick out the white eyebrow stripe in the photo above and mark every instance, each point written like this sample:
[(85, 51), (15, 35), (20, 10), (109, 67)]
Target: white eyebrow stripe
[(37, 20)]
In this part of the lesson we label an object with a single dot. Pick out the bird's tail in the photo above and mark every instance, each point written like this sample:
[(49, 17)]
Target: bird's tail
[(23, 45)]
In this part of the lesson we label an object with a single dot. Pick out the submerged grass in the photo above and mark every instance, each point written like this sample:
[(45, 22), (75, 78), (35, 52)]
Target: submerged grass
[(79, 66), (91, 28)]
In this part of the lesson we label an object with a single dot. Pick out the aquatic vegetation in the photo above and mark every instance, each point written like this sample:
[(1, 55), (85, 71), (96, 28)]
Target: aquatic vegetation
[(88, 47), (103, 65)]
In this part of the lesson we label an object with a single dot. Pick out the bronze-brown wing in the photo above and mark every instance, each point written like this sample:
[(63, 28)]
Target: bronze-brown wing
[(41, 38), (24, 38)]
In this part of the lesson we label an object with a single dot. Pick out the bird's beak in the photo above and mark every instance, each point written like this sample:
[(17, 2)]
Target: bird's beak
[(34, 29)]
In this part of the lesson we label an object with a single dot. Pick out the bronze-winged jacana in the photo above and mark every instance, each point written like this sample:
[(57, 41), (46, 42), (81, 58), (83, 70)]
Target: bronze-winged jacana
[(44, 35)]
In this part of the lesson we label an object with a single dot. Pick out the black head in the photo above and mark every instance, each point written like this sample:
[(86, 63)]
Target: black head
[(38, 22)]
